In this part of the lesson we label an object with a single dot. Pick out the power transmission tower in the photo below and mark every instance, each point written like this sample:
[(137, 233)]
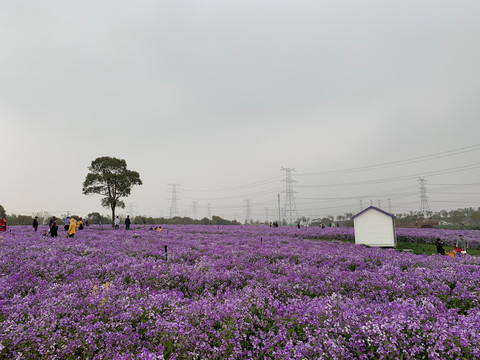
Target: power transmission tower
[(174, 205), (422, 185), (279, 216), (290, 209), (248, 212), (194, 210), (130, 210), (379, 203)]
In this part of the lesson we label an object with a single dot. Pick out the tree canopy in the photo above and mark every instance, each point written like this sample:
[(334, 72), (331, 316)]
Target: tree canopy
[(109, 176)]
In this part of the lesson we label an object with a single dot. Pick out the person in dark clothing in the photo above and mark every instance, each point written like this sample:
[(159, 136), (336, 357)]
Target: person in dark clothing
[(35, 223), (80, 224), (439, 245), (50, 223), (54, 229), (127, 223)]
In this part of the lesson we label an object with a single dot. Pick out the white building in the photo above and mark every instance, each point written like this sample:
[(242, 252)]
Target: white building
[(374, 227)]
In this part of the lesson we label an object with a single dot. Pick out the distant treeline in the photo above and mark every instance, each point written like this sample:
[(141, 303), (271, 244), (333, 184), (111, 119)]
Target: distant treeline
[(215, 220), (96, 218)]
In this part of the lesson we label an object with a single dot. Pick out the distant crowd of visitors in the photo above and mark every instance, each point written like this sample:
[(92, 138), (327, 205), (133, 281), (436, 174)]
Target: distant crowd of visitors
[(70, 225), (460, 248)]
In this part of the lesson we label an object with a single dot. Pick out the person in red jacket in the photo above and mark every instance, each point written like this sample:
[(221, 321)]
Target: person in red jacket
[(3, 224)]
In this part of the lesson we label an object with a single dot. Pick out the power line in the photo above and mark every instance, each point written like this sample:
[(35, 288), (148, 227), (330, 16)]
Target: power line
[(399, 178), (238, 187), (400, 162)]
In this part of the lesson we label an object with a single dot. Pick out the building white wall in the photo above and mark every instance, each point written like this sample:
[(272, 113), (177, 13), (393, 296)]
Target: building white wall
[(374, 228)]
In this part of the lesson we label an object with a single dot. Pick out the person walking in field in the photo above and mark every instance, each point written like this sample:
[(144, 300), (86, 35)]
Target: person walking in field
[(35, 223), (117, 223), (54, 229), (3, 224), (71, 228), (462, 244), (51, 222), (66, 223), (80, 224), (127, 223), (439, 245)]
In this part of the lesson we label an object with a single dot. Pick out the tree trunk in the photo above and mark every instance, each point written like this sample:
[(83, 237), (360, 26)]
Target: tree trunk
[(113, 216)]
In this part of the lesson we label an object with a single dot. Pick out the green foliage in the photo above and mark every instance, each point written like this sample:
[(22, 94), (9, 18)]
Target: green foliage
[(177, 220), (97, 218), (19, 219), (110, 178), (2, 211), (429, 249)]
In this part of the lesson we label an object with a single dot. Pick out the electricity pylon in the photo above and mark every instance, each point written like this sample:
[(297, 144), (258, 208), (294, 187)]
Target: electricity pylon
[(289, 209)]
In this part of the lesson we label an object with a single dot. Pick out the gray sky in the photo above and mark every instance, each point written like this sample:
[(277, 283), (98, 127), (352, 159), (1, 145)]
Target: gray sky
[(217, 96)]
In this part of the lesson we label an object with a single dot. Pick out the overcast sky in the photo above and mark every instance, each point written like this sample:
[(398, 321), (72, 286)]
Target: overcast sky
[(218, 96)]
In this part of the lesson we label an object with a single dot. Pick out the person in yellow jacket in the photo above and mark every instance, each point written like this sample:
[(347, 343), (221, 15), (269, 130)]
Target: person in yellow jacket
[(71, 228)]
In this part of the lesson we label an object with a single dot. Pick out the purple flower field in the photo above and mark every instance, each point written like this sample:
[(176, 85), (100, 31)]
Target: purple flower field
[(427, 236), (231, 292)]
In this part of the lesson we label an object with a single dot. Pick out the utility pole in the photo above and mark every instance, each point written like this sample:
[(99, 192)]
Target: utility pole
[(422, 185), (290, 209), (130, 210), (174, 205)]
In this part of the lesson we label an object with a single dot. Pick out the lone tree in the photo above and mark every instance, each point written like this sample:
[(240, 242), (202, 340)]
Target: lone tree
[(110, 177)]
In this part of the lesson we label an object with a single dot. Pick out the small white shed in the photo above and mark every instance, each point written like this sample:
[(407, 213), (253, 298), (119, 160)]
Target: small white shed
[(375, 227)]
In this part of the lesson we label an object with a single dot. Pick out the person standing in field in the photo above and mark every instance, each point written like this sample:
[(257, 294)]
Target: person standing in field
[(71, 228), (51, 222), (127, 223), (117, 222), (439, 245), (35, 223), (462, 244), (54, 229), (3, 224), (80, 224), (66, 223)]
